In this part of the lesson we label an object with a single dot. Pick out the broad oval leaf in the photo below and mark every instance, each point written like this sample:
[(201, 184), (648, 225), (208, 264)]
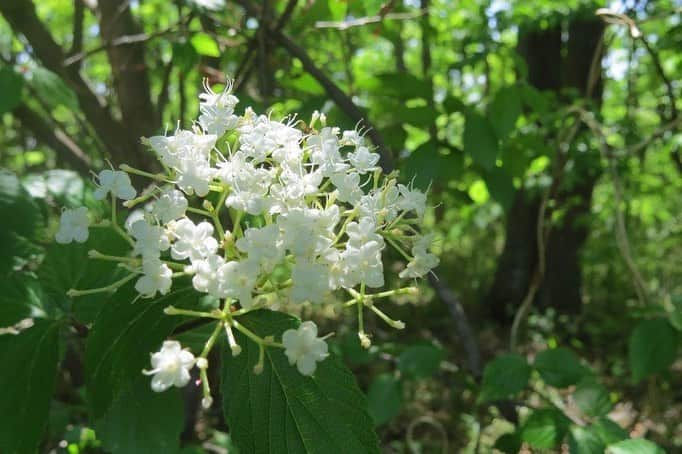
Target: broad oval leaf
[(504, 376), (385, 398), (29, 362), (121, 339), (142, 421), (205, 45), (480, 141), (559, 367), (592, 399), (652, 348), (282, 411), (544, 428), (634, 446), (505, 110)]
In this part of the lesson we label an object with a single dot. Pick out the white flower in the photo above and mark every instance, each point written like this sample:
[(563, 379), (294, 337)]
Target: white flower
[(363, 232), (412, 199), (73, 226), (347, 186), (363, 160), (170, 205), (423, 261), (364, 264), (170, 366), (150, 239), (192, 241), (156, 278), (304, 348), (116, 182), (206, 274), (217, 109), (310, 282), (236, 280), (264, 246)]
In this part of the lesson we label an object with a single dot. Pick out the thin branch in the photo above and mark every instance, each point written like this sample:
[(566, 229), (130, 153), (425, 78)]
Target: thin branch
[(344, 102), (359, 22), (54, 138), (77, 32)]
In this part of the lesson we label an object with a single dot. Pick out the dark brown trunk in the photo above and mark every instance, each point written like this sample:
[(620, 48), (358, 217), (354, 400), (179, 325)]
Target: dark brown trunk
[(565, 72)]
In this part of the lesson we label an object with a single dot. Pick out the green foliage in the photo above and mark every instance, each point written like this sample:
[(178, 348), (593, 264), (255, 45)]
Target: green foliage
[(634, 446), (480, 141), (385, 398), (119, 342), (504, 376), (205, 45), (592, 399), (29, 360), (504, 110), (280, 411), (544, 428), (52, 88), (652, 348), (141, 421), (559, 367), (11, 84), (420, 360)]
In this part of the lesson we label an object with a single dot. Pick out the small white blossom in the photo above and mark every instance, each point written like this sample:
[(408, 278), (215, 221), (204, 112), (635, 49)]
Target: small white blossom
[(170, 205), (363, 160), (264, 246), (303, 348), (150, 239), (192, 241), (73, 226), (412, 199), (156, 278), (423, 261), (310, 282), (115, 182), (170, 366)]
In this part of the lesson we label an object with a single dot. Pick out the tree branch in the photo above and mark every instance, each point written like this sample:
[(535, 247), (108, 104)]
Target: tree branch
[(22, 17), (53, 137), (342, 100)]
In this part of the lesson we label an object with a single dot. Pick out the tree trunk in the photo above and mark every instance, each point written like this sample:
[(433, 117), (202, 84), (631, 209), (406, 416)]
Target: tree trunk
[(551, 67)]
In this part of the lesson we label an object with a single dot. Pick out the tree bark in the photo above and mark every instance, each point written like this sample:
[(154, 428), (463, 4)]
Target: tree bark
[(548, 69)]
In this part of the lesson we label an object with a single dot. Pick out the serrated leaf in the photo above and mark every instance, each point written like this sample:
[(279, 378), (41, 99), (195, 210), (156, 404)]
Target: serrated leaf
[(592, 399), (20, 298), (420, 360), (29, 362), (10, 86), (121, 339), (652, 348), (544, 428), (141, 421), (500, 185), (559, 367), (385, 398), (205, 45), (67, 266), (281, 411), (635, 446), (608, 431), (480, 141), (504, 376), (504, 110), (583, 440)]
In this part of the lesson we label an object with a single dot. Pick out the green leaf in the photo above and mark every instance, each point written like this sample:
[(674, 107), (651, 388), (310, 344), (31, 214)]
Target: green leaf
[(504, 110), (505, 375), (426, 166), (11, 83), (121, 339), (583, 440), (592, 399), (184, 55), (397, 86), (20, 297), (205, 45), (509, 443), (480, 141), (67, 266), (500, 186), (544, 428), (634, 446), (18, 211), (559, 367), (51, 88), (608, 431), (282, 411), (29, 362), (675, 312), (420, 360), (141, 421), (385, 398), (652, 348)]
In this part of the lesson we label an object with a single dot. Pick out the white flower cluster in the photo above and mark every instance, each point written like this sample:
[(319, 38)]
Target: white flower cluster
[(308, 212)]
